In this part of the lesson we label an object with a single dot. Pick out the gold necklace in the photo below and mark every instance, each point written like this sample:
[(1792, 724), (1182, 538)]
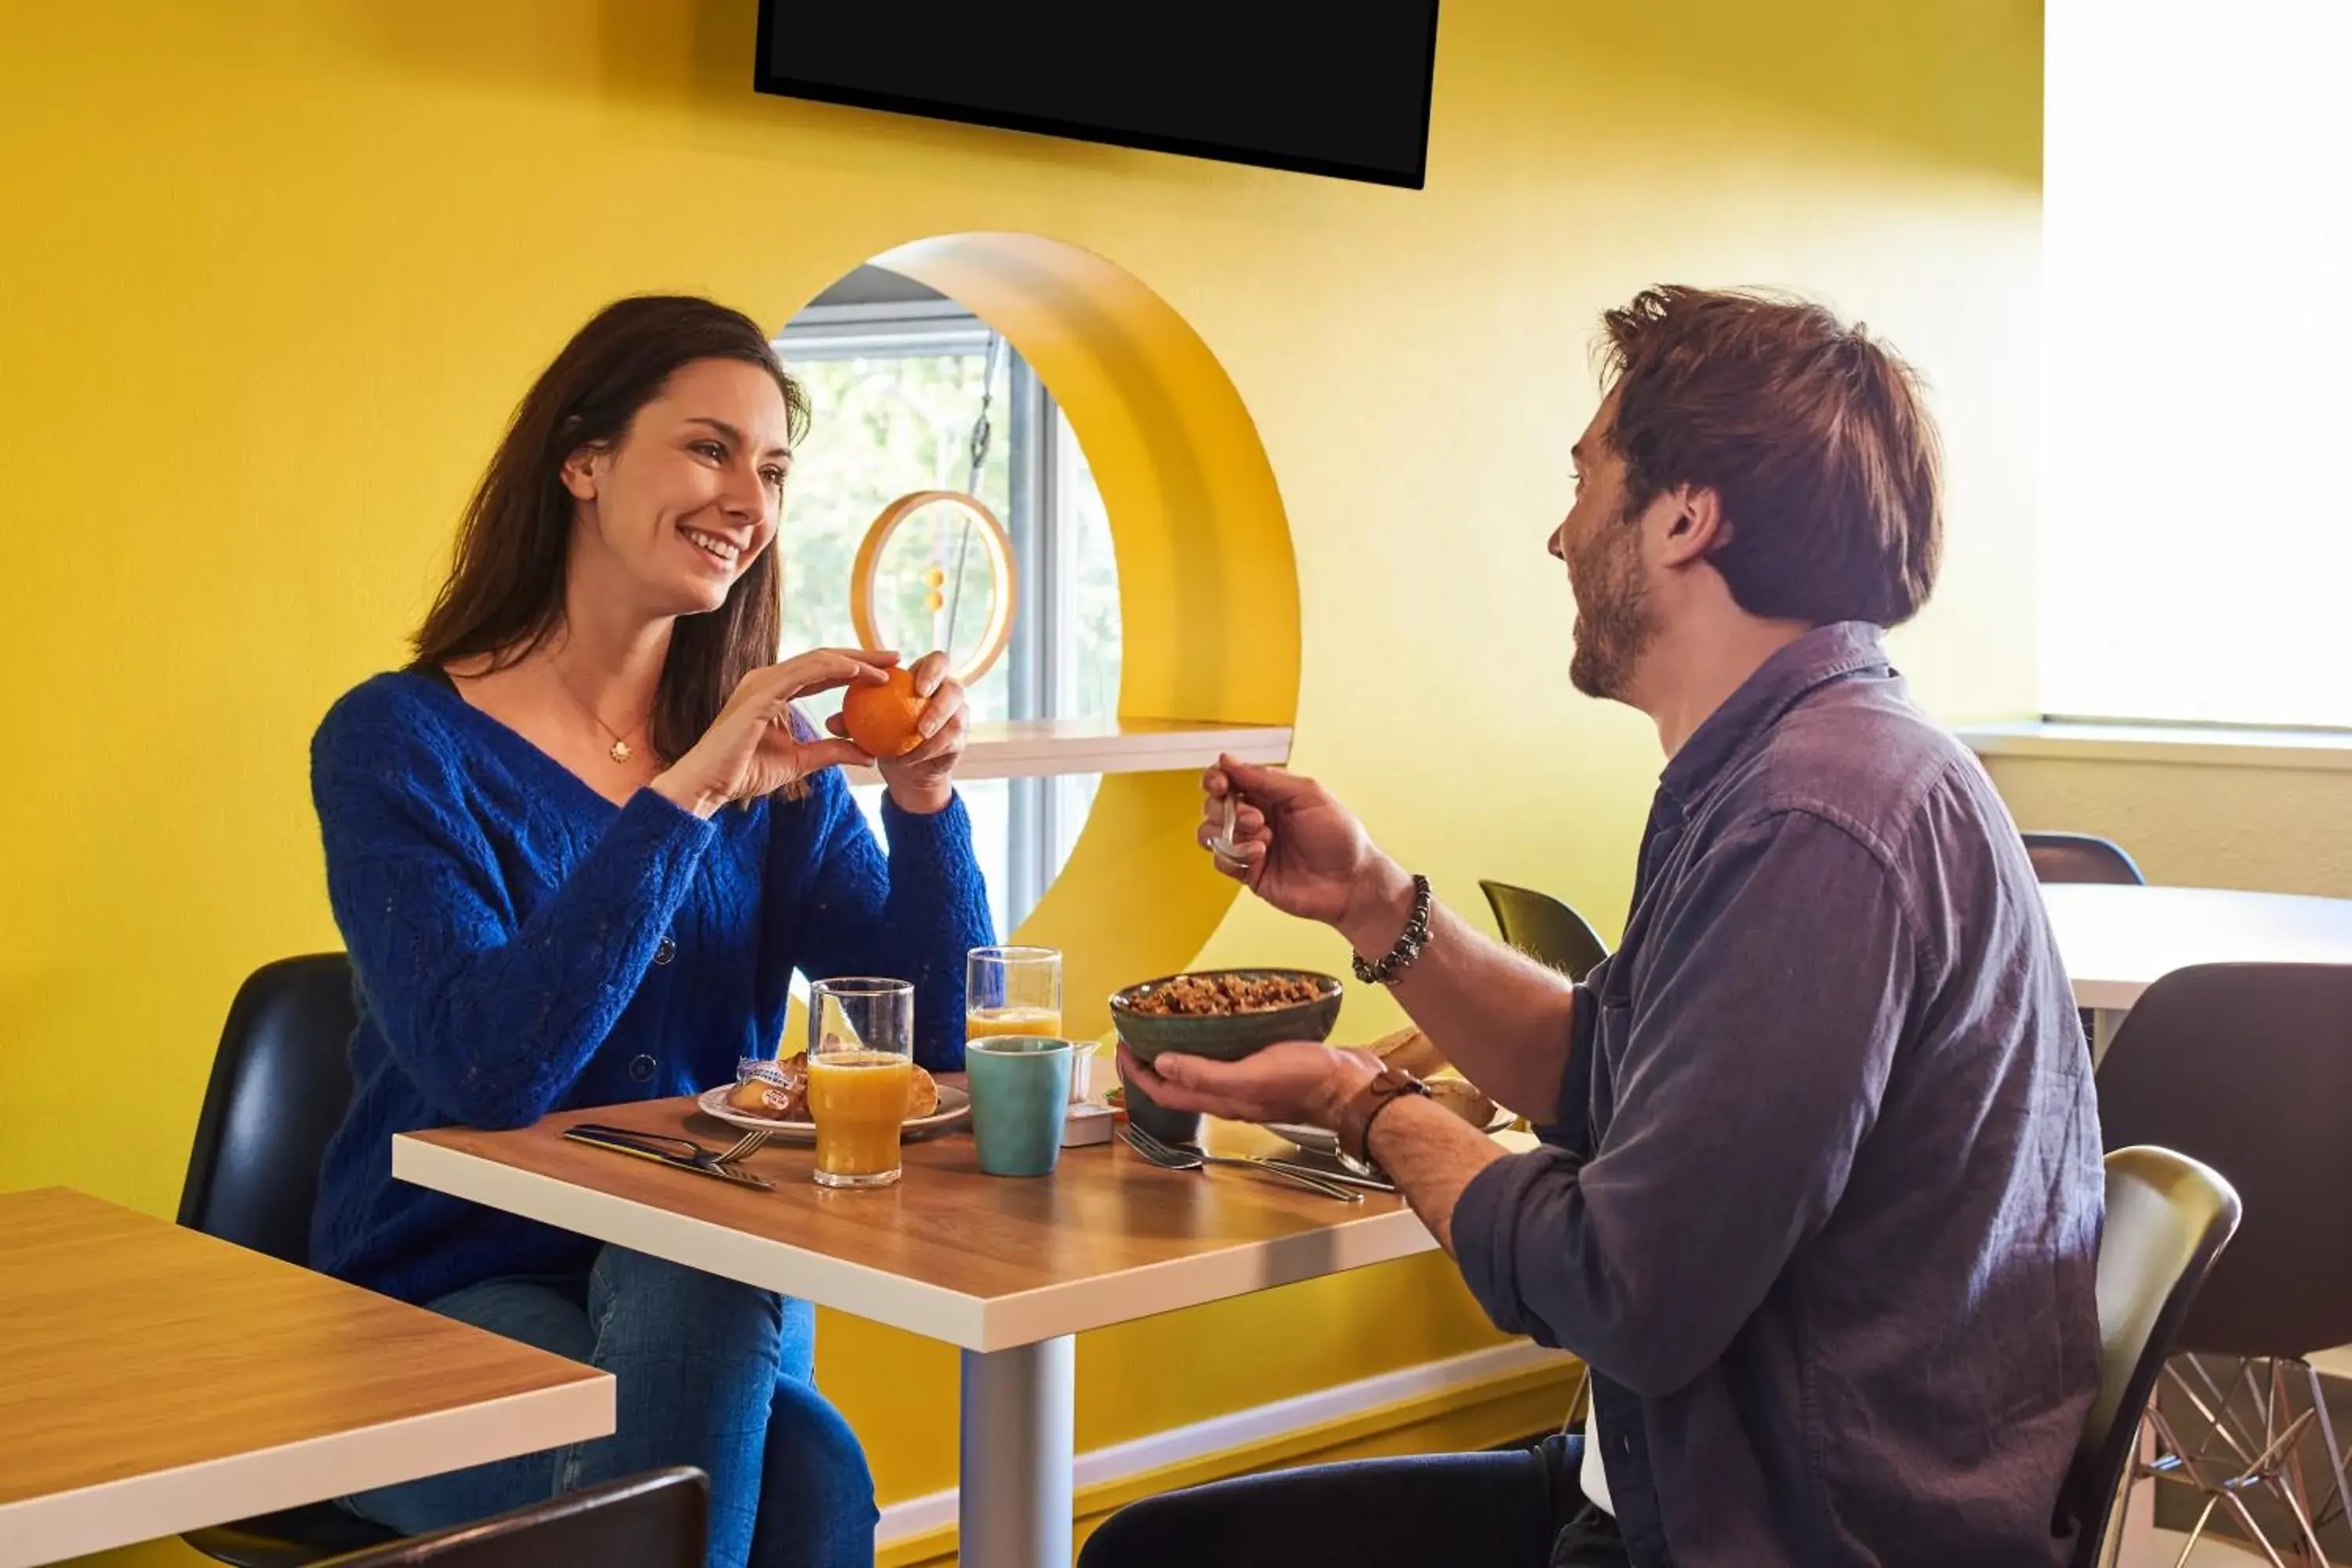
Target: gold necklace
[(621, 752)]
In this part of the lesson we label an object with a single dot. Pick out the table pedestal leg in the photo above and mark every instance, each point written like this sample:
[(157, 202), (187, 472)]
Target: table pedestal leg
[(1013, 1500)]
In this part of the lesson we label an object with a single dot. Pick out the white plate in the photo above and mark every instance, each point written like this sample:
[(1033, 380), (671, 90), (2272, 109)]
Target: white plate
[(955, 1109), (1325, 1142)]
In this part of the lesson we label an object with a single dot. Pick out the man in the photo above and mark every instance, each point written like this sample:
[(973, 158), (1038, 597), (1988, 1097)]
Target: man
[(1820, 1198)]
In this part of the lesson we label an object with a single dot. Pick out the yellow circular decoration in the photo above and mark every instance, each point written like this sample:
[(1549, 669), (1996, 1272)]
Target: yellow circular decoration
[(935, 577), (1208, 586), (993, 542)]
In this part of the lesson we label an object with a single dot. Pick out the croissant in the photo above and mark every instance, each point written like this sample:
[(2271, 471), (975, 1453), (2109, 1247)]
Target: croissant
[(922, 1093)]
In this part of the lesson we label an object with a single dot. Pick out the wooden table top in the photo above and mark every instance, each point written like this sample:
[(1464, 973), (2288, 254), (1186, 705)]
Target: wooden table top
[(2119, 941), (154, 1380), (951, 1253)]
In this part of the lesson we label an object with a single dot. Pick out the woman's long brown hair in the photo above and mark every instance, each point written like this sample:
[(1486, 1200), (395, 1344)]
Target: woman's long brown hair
[(504, 595)]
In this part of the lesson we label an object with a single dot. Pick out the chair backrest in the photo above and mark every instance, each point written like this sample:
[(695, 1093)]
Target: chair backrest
[(280, 1084), (2080, 858), (1545, 928), (2169, 1219), (658, 1519), (2247, 1068)]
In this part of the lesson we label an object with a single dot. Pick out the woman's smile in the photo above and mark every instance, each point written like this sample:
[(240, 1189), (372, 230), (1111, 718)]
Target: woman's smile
[(718, 552)]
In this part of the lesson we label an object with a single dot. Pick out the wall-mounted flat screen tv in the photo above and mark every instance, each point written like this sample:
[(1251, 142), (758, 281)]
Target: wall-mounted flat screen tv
[(1325, 86)]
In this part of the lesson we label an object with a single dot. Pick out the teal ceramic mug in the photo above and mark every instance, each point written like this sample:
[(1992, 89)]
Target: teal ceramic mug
[(1020, 1094)]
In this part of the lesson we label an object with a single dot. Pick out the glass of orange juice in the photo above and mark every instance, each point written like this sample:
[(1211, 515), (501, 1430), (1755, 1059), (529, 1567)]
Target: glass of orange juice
[(1011, 991), (860, 1062)]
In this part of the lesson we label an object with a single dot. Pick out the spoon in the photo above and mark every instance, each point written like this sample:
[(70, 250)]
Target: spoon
[(1221, 843)]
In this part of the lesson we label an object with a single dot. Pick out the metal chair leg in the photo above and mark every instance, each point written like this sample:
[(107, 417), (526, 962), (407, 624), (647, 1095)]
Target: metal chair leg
[(2197, 1530), (2253, 1530), (2332, 1506), (2287, 1477), (2242, 1449), (2214, 1416)]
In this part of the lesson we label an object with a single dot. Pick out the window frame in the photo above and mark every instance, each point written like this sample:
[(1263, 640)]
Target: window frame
[(1041, 658)]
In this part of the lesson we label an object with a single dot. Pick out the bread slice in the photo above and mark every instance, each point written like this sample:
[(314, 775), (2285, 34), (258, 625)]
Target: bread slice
[(1463, 1098), (1409, 1049)]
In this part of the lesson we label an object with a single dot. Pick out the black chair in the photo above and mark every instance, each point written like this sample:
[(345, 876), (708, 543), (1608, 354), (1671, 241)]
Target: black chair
[(1545, 928), (2248, 1068), (280, 1086), (280, 1083), (2169, 1219), (2081, 857), (658, 1519)]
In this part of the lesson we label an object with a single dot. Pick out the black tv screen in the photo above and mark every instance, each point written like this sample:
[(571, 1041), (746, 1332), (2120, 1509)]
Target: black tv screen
[(1325, 87)]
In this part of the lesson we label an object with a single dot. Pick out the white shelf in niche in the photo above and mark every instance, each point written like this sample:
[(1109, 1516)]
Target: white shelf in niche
[(1045, 748)]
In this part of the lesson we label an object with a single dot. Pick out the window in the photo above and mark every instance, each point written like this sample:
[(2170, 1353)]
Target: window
[(895, 374), (2196, 406)]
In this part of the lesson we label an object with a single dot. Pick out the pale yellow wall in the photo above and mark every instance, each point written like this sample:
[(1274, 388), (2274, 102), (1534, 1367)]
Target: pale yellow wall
[(271, 274), (2284, 830)]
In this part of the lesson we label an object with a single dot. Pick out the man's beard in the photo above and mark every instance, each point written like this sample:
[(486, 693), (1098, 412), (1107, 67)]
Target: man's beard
[(1614, 625)]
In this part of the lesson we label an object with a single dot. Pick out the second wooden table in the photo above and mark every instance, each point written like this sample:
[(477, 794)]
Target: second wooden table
[(153, 1379)]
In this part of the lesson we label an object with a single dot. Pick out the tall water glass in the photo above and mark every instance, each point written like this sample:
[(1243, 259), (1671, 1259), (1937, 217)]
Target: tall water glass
[(861, 1059), (1011, 991)]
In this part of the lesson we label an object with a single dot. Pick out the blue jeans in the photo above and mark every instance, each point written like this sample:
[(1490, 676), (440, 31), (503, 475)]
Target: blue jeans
[(709, 1374)]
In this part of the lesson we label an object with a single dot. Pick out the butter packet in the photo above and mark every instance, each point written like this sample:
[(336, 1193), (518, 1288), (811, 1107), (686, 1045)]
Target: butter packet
[(760, 1070)]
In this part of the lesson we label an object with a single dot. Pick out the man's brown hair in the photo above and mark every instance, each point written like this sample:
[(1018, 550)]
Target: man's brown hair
[(1812, 432)]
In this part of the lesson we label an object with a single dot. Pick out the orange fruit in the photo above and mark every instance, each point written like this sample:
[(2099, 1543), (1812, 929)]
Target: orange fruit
[(882, 719)]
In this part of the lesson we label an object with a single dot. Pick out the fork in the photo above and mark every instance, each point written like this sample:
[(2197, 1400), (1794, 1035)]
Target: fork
[(1169, 1157), (752, 1142)]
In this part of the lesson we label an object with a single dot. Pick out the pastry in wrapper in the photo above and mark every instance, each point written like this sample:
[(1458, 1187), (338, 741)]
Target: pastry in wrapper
[(780, 1090)]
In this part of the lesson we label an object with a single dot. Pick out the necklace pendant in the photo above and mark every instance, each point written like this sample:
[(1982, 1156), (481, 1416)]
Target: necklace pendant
[(620, 752)]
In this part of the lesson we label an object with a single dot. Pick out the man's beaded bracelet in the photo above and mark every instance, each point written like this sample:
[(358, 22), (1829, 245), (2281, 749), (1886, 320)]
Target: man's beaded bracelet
[(1408, 946)]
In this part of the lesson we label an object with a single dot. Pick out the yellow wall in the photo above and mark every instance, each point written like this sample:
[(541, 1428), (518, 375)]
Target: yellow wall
[(2198, 825), (271, 275)]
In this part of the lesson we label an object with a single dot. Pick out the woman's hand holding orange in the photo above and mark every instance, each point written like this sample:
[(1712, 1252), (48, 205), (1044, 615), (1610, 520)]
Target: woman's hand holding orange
[(751, 750), (915, 730)]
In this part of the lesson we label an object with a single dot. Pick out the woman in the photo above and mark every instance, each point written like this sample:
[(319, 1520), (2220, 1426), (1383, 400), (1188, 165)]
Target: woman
[(576, 851)]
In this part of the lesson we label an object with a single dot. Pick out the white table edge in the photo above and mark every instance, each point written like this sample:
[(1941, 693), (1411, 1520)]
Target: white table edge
[(167, 1502), (937, 1313), (1175, 1283), (931, 1311), (2254, 926)]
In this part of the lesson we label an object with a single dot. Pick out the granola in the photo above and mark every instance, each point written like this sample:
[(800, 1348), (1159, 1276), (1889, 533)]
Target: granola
[(1221, 994)]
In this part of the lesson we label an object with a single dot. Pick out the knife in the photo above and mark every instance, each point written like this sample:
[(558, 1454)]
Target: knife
[(645, 1146)]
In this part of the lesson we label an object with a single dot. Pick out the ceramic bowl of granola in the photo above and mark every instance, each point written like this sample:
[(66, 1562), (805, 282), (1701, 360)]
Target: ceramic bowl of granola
[(1224, 1014)]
